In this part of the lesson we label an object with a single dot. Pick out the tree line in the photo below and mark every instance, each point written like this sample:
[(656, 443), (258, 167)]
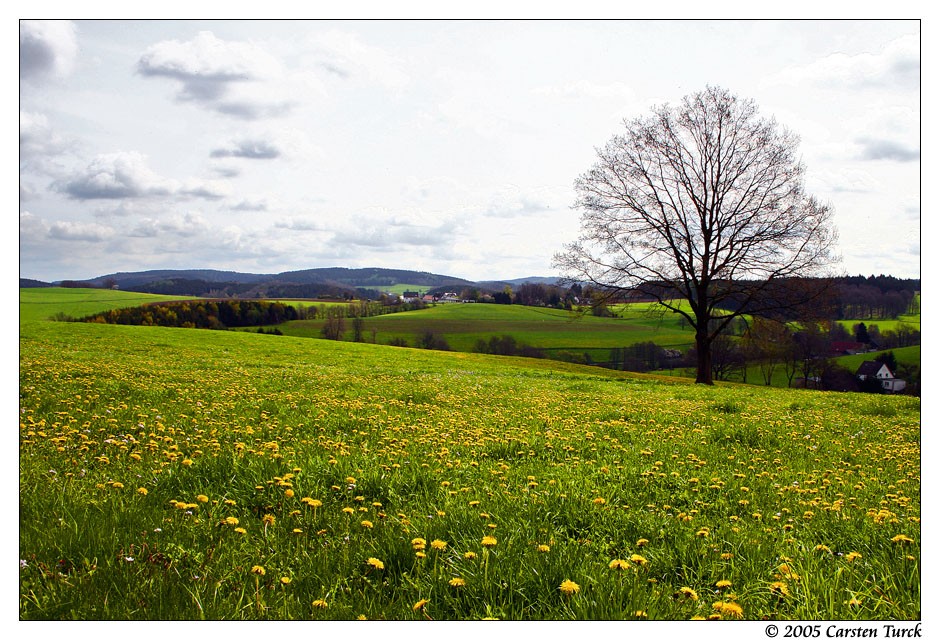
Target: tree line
[(200, 314)]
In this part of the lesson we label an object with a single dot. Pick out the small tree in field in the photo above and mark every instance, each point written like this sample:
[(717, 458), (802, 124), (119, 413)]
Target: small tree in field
[(702, 207)]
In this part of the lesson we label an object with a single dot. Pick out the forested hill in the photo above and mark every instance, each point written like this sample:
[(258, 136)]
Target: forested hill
[(334, 282), (372, 277)]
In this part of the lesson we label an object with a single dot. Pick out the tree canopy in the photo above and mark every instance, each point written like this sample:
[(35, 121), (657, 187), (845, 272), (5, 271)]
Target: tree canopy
[(703, 203)]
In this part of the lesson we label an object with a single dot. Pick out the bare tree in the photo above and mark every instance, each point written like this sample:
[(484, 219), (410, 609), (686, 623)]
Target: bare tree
[(702, 207)]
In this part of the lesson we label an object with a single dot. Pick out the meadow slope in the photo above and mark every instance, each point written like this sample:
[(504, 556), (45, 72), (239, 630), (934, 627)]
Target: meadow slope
[(192, 474)]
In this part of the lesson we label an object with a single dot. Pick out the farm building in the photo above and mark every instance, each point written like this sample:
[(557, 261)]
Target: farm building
[(880, 372)]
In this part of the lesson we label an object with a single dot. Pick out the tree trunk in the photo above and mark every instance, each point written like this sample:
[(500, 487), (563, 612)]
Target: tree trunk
[(703, 350)]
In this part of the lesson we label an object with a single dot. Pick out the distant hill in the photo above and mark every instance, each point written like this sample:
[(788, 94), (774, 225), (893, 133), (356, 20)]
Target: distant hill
[(130, 280), (531, 280), (27, 283), (330, 282), (371, 278)]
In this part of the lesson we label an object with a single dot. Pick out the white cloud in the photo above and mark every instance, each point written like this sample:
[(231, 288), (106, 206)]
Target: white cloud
[(895, 66), (251, 204), (125, 174), (881, 149), (887, 132), (345, 55), (80, 231), (511, 203), (186, 225), (47, 48), (208, 189), (212, 72), (254, 149), (300, 223), (37, 137)]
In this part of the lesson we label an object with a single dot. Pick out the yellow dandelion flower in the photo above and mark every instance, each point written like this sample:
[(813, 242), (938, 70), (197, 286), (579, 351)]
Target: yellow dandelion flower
[(285, 580), (457, 582), (638, 559), (470, 555), (420, 555), (702, 533), (420, 604), (349, 510), (438, 545), (258, 569), (488, 541), (350, 480), (779, 589), (599, 501), (823, 548), (854, 602), (231, 520), (569, 587), (295, 530), (117, 485), (202, 498), (240, 530), (619, 565), (543, 548), (319, 604), (639, 614), (366, 524), (853, 556), (268, 518), (730, 610), (642, 542), (375, 563), (901, 538), (288, 493), (723, 584), (142, 491), (418, 544), (688, 593), (187, 462)]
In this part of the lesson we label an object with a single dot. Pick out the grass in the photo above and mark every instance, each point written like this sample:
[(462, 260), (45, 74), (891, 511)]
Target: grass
[(43, 303), (552, 330), (187, 474), (903, 355)]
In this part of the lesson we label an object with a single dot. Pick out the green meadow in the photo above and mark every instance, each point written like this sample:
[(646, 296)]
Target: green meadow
[(552, 330), (185, 474)]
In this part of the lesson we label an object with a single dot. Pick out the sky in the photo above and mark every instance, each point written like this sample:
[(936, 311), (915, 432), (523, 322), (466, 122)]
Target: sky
[(446, 146)]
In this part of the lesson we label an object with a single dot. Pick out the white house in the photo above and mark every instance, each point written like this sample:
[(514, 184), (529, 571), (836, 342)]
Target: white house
[(881, 372)]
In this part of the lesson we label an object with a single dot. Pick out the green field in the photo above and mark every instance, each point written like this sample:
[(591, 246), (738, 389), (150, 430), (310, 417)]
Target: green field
[(912, 321), (192, 474), (903, 355), (43, 303), (552, 330)]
